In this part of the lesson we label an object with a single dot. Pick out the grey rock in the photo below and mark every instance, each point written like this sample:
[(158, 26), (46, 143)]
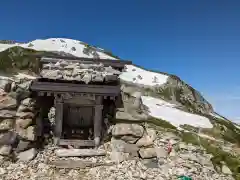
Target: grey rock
[(29, 102), (8, 138), (150, 163), (79, 152), (119, 156), (23, 145), (161, 152), (23, 108), (5, 84), (226, 170), (147, 139), (52, 74), (28, 134), (23, 123), (121, 146), (7, 114), (6, 124), (7, 102), (147, 153), (5, 150), (128, 130), (87, 78), (25, 115), (27, 155)]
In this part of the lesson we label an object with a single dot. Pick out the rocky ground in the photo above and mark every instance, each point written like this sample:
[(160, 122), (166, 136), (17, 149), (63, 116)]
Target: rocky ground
[(146, 159)]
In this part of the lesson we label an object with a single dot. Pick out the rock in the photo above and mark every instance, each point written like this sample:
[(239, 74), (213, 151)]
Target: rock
[(6, 124), (8, 138), (226, 170), (183, 146), (2, 171), (5, 83), (147, 139), (121, 146), (29, 102), (27, 155), (23, 108), (147, 153), (23, 145), (161, 152), (5, 150), (28, 134), (52, 74), (7, 102), (150, 163), (119, 156), (25, 115), (7, 114), (79, 152), (130, 132), (23, 123)]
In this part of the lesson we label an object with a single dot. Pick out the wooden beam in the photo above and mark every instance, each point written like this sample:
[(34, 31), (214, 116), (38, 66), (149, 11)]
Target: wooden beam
[(77, 88), (81, 143)]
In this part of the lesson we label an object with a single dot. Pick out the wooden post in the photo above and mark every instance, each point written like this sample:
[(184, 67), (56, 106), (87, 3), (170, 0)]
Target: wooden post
[(97, 124), (58, 119)]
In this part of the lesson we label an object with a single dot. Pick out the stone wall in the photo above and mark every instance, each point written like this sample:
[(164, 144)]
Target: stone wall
[(17, 118)]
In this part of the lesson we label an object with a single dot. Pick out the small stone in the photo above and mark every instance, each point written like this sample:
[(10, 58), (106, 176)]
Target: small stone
[(27, 155), (226, 170), (23, 123), (5, 150), (147, 153), (6, 124)]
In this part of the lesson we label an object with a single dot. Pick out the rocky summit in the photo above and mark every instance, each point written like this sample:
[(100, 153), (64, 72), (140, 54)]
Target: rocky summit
[(163, 130)]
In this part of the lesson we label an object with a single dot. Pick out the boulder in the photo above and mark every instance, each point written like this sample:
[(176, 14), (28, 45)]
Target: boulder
[(119, 156), (129, 132), (6, 124), (147, 153), (28, 134), (7, 102), (23, 123), (7, 114), (27, 155), (147, 139), (79, 152), (5, 150), (8, 138), (25, 115)]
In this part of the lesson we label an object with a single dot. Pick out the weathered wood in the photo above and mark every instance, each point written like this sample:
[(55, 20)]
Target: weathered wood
[(58, 122), (76, 164), (74, 142), (79, 152), (77, 88), (97, 124)]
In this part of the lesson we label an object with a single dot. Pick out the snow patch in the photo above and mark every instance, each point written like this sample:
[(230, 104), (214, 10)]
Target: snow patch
[(143, 77), (70, 46), (161, 109)]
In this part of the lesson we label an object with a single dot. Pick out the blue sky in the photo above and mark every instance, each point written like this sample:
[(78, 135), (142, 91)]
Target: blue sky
[(198, 40)]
